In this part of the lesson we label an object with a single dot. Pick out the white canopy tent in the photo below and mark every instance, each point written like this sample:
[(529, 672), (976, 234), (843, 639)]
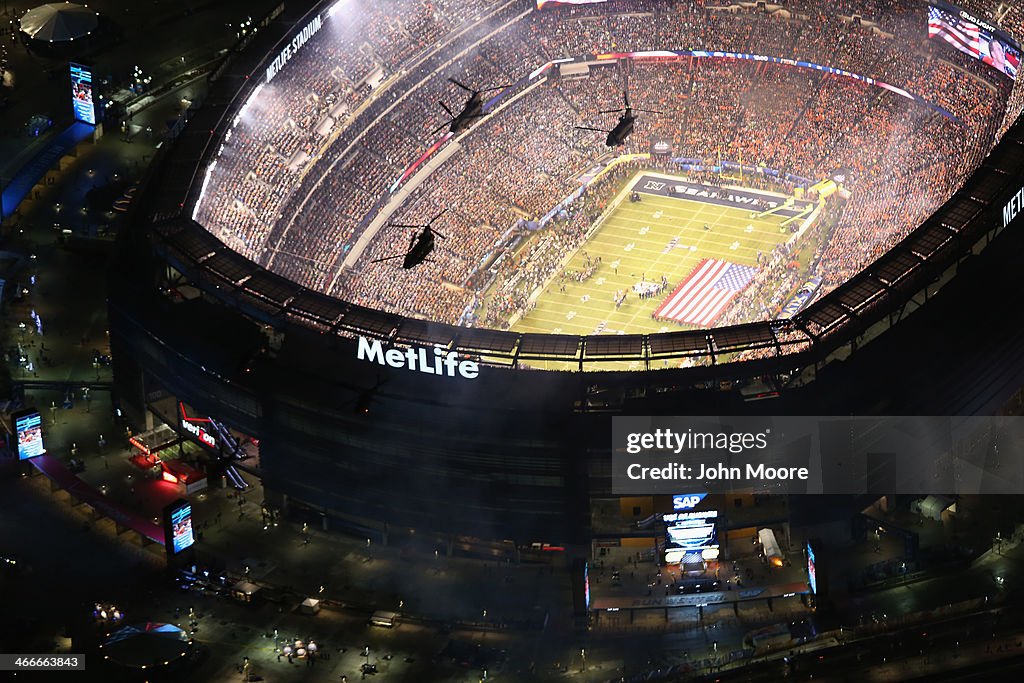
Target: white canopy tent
[(59, 22)]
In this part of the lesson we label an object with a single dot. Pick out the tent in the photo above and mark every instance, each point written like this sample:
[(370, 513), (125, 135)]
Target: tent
[(932, 507), (244, 591), (146, 646), (59, 22), (772, 552)]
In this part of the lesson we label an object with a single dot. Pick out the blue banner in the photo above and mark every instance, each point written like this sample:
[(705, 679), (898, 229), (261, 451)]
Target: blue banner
[(802, 297)]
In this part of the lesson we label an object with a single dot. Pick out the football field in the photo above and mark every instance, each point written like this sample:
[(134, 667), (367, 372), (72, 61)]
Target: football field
[(660, 236)]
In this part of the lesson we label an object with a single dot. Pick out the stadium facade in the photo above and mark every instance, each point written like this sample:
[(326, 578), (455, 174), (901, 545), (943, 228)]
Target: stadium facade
[(391, 448)]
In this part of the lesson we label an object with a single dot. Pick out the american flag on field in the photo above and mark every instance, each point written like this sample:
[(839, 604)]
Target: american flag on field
[(702, 297), (963, 35)]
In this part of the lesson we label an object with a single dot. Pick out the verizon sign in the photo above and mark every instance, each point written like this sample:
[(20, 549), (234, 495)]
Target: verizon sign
[(200, 433), (430, 362)]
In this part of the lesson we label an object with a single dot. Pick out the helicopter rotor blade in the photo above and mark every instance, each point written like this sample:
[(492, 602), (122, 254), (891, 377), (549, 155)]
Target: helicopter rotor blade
[(610, 111), (445, 107), (498, 87), (461, 85), (649, 111), (599, 130), (388, 258), (405, 225), (446, 123), (431, 221)]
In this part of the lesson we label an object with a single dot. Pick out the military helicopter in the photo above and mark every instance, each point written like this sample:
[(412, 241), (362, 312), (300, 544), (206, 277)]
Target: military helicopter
[(473, 109), (622, 129), (420, 245)]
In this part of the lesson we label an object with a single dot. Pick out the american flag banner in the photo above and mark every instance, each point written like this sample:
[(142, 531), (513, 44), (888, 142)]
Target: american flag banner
[(963, 35), (701, 298)]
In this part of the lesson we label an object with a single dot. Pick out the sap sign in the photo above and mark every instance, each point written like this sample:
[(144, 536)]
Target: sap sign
[(687, 502)]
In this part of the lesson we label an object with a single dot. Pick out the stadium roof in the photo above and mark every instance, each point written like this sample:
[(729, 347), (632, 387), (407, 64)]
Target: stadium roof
[(895, 282)]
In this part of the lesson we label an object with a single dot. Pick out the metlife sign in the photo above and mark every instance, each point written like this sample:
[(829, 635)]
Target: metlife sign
[(293, 47), (1013, 207), (439, 362)]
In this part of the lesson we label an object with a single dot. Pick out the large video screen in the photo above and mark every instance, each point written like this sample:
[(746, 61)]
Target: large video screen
[(974, 37), (181, 528), (28, 427), (689, 535), (81, 94)]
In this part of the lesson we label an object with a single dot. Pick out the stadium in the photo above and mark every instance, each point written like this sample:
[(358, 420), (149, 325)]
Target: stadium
[(811, 179)]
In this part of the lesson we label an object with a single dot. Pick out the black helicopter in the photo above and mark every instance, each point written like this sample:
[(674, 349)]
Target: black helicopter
[(622, 129), (473, 109), (420, 245)]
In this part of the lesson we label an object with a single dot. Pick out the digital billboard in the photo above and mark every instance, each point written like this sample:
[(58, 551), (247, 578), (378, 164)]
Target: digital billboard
[(812, 579), (974, 37), (28, 427), (179, 524), (81, 94), (586, 585), (690, 536)]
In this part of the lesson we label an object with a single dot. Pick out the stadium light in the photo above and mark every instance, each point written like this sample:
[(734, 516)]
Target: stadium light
[(340, 4)]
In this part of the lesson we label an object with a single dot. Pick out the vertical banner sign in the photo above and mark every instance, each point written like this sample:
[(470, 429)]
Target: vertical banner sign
[(81, 94), (28, 428)]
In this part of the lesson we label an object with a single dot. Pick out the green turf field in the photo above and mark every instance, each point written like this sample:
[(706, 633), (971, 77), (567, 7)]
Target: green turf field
[(631, 242)]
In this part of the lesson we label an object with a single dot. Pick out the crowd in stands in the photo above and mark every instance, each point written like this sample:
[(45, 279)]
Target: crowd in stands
[(314, 155)]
